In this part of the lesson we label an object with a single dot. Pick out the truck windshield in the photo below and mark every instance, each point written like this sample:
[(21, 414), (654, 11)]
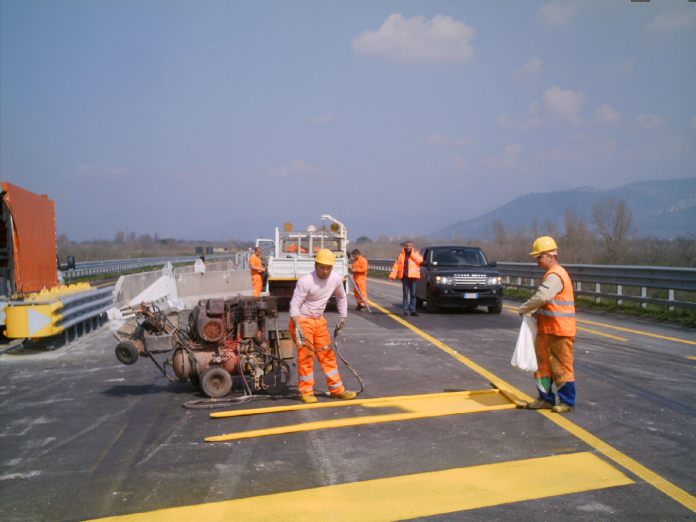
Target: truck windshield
[(459, 257)]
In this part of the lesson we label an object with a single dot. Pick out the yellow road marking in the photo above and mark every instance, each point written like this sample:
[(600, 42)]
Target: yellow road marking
[(638, 332), (602, 334), (411, 409), (692, 357), (374, 403), (652, 478), (622, 329), (411, 496)]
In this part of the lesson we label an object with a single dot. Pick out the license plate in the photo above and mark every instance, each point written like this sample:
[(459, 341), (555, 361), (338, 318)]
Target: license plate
[(470, 296)]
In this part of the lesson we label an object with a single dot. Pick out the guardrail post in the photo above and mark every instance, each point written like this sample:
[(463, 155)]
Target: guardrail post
[(619, 292), (598, 289), (671, 298), (644, 295)]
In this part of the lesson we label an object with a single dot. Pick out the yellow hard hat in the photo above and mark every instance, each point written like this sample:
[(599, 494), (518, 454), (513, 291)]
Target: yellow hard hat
[(325, 257), (543, 244)]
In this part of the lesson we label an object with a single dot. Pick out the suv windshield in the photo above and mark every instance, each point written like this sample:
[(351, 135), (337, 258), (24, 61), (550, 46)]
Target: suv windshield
[(459, 257)]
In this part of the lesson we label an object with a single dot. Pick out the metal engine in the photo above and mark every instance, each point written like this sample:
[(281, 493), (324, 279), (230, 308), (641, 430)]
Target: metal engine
[(224, 338)]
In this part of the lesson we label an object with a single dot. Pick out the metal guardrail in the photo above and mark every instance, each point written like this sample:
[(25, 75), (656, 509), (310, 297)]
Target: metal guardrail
[(118, 266), (678, 285)]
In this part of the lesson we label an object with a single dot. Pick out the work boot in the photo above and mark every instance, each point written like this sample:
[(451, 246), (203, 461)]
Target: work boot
[(308, 398), (346, 395), (539, 404), (414, 314), (562, 408)]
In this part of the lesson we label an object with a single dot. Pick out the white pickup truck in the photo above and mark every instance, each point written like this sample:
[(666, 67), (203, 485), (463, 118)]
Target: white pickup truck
[(291, 254)]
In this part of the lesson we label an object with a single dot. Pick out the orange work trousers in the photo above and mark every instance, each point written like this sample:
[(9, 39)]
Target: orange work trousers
[(317, 335), (554, 358), (257, 284), (360, 284)]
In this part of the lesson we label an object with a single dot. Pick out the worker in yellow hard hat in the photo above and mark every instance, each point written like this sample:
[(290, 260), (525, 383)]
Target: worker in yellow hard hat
[(553, 305), (257, 270), (309, 328)]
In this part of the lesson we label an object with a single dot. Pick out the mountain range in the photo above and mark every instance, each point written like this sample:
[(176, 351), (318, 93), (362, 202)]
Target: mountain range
[(661, 209)]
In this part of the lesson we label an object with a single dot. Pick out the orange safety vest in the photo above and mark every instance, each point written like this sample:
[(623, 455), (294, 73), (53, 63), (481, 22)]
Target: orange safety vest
[(558, 316), (413, 266)]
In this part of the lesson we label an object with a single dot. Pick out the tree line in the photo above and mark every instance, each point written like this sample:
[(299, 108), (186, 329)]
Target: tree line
[(612, 240), (608, 239)]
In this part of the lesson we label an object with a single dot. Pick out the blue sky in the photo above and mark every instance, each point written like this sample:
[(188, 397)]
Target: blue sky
[(222, 119)]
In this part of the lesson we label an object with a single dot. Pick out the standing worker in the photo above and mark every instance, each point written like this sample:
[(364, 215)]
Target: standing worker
[(309, 329), (359, 272), (407, 268), (256, 268), (554, 304)]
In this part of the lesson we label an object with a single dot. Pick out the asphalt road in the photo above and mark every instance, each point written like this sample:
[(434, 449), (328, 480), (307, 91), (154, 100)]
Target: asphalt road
[(85, 437)]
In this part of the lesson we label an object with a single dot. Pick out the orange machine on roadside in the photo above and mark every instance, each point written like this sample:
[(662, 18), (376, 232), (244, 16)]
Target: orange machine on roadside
[(28, 261)]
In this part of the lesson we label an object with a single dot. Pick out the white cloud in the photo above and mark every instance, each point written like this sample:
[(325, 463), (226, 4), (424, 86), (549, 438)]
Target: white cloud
[(564, 104), (296, 167), (532, 121), (607, 115), (436, 139), (324, 119), (529, 69), (674, 19), (509, 158), (558, 104), (442, 39), (650, 121), (557, 14)]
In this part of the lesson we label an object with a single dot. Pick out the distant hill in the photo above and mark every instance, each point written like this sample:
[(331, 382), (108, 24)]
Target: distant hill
[(663, 209)]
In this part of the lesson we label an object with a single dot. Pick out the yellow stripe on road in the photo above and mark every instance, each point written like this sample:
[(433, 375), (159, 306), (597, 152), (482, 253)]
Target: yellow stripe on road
[(621, 329), (693, 358), (649, 476), (588, 330), (370, 403), (638, 332), (602, 334), (422, 407), (411, 496)]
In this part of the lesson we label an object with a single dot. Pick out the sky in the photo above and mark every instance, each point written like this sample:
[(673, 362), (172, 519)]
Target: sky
[(220, 120)]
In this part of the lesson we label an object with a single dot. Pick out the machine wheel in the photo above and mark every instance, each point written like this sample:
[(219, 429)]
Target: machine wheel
[(496, 309), (126, 353), (216, 382)]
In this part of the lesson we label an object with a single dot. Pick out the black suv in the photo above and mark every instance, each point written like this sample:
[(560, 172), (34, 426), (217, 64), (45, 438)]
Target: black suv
[(458, 276)]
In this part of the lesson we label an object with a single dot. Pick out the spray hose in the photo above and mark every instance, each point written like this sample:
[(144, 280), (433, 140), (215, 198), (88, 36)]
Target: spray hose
[(334, 344)]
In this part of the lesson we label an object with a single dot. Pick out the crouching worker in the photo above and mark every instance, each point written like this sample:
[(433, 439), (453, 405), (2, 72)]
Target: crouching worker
[(309, 329), (553, 305)]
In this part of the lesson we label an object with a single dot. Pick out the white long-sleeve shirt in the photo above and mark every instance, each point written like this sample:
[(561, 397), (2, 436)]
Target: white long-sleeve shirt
[(311, 295), (546, 292)]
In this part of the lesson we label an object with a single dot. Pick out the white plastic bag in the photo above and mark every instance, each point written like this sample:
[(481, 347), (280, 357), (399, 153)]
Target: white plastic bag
[(524, 356)]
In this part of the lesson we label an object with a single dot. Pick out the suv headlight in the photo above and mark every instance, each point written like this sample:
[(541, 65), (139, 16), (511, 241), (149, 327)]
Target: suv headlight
[(444, 280), (494, 281)]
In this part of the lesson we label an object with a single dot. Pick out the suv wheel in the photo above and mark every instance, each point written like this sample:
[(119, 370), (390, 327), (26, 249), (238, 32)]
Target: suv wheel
[(431, 305), (496, 309)]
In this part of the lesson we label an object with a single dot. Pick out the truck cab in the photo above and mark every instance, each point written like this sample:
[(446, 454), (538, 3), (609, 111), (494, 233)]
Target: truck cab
[(458, 277), (290, 255)]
